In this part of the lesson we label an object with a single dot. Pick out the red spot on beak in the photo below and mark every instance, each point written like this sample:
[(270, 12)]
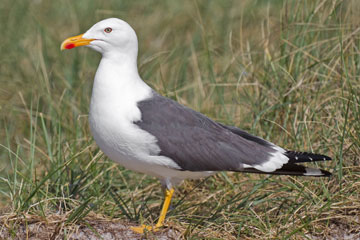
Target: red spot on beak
[(69, 46)]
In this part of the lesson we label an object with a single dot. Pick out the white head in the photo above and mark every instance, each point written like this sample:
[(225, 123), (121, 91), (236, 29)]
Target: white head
[(111, 37)]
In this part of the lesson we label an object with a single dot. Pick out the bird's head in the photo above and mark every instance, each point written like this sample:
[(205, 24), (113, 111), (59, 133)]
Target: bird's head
[(109, 36)]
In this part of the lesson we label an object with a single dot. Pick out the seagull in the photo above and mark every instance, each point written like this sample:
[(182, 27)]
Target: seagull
[(145, 132)]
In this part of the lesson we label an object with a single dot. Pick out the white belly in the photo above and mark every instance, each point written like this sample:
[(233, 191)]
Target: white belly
[(125, 143)]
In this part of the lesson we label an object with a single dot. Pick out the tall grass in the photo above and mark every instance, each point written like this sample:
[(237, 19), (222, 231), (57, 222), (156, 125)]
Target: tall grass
[(284, 70)]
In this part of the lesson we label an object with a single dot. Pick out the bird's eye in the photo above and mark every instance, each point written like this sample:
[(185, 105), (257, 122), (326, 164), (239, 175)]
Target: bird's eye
[(108, 30)]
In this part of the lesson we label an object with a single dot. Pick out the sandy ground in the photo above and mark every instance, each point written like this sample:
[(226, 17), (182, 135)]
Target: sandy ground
[(109, 230), (94, 230)]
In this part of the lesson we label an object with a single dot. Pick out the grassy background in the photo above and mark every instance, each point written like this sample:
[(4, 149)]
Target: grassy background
[(284, 70)]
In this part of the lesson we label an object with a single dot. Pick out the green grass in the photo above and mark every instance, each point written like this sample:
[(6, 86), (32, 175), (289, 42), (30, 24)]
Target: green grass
[(287, 71)]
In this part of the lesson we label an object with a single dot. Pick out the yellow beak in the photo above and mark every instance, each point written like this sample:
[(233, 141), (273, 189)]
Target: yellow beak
[(75, 41)]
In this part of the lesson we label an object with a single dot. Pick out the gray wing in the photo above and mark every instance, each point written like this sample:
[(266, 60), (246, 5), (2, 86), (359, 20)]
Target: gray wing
[(197, 143)]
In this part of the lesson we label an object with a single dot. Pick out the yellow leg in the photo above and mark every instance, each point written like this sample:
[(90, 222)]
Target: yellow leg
[(159, 224), (168, 196)]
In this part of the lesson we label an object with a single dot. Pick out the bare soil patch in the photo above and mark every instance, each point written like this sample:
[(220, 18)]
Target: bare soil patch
[(94, 227), (54, 228)]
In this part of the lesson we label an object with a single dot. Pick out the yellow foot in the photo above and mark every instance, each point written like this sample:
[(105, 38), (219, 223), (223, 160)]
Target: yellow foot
[(141, 229)]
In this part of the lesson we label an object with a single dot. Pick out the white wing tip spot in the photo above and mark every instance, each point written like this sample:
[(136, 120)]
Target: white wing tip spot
[(313, 172)]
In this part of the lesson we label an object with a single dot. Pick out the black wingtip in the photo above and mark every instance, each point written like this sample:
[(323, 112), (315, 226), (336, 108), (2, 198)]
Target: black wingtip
[(298, 157), (325, 173), (293, 170)]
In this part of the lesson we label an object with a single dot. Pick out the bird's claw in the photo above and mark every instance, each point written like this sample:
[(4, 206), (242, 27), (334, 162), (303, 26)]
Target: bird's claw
[(143, 228)]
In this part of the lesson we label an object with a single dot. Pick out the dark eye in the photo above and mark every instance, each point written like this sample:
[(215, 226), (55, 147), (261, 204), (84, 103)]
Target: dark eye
[(108, 30)]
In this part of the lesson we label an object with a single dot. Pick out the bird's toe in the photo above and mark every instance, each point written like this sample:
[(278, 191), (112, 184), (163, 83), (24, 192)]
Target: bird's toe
[(143, 228)]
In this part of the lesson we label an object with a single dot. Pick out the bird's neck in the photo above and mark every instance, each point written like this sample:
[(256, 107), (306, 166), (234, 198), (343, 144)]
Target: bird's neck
[(119, 70), (117, 83), (127, 59)]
